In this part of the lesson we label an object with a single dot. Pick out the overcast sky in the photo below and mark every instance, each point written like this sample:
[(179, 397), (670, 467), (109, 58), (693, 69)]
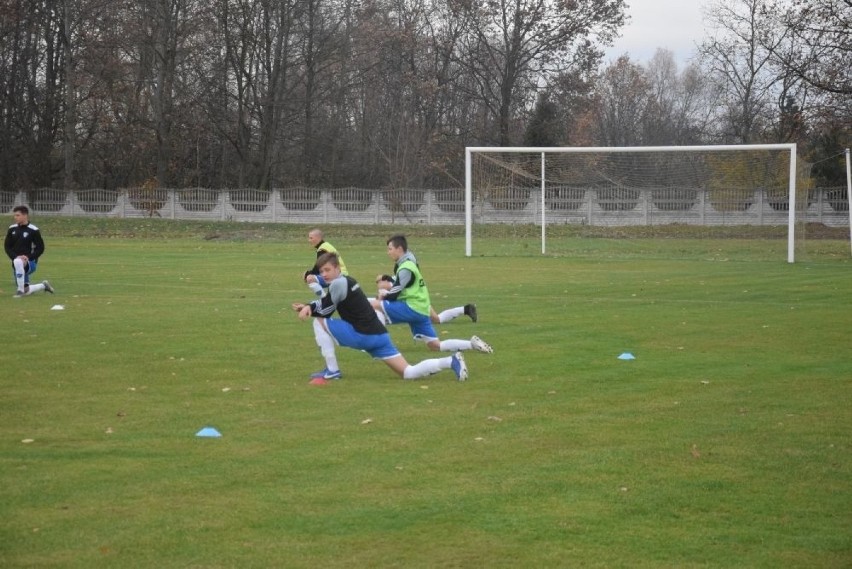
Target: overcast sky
[(672, 24)]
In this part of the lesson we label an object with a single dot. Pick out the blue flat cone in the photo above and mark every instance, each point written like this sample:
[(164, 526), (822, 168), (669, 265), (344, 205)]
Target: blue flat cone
[(627, 356), (208, 432)]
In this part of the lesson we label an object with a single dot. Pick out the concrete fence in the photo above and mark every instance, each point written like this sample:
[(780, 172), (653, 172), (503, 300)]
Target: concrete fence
[(591, 206)]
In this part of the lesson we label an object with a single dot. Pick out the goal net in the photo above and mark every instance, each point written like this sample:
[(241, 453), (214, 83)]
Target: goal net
[(543, 188)]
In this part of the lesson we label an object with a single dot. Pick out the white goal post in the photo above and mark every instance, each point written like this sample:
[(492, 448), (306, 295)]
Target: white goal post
[(497, 173)]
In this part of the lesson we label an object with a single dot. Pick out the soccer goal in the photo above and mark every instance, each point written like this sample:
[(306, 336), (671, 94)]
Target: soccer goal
[(619, 186)]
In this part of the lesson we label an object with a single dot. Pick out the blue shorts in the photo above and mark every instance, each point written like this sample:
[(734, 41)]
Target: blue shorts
[(377, 345), (30, 269), (398, 312)]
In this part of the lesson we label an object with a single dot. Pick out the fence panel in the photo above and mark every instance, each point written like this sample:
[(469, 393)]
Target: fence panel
[(609, 205)]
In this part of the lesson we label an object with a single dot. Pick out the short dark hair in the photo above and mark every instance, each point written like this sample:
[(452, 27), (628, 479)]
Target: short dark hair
[(327, 258), (398, 240), (21, 208)]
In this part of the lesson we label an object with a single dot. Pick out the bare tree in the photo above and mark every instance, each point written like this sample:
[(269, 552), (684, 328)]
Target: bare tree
[(276, 58), (404, 50), (382, 93), (240, 26), (679, 109), (13, 64), (624, 97), (739, 56), (817, 56), (32, 84), (113, 136), (823, 42), (70, 28), (513, 45), (322, 47)]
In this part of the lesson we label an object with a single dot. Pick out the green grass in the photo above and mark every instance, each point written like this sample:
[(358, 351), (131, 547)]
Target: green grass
[(724, 444)]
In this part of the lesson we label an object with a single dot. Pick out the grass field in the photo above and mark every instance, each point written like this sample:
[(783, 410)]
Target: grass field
[(723, 444)]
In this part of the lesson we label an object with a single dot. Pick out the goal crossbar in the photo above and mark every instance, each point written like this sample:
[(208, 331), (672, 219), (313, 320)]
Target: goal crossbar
[(543, 151)]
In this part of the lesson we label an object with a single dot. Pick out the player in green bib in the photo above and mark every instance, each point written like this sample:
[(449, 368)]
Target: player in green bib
[(404, 298), (415, 294)]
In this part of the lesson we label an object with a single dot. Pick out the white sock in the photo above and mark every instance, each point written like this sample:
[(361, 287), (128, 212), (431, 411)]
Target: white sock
[(326, 346), (427, 367), (35, 288), (316, 288), (455, 345), (20, 273), (379, 313), (450, 314)]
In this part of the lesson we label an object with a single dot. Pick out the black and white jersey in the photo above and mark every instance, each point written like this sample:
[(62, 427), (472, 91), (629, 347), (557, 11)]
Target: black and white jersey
[(23, 240), (346, 297)]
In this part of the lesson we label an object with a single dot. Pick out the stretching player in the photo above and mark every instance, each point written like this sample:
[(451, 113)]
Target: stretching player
[(359, 328), (24, 245), (405, 298)]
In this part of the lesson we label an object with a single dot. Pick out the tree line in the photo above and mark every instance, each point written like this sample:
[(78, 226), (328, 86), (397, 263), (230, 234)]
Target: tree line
[(387, 93)]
